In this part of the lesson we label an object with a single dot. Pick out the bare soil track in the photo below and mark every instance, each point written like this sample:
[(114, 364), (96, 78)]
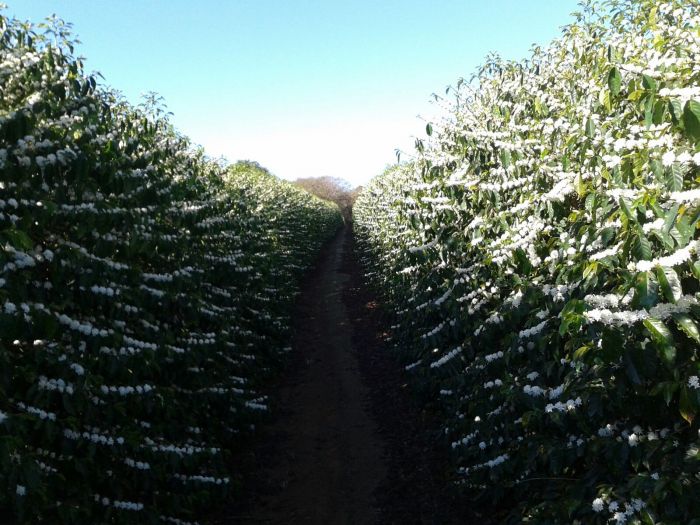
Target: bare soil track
[(348, 445)]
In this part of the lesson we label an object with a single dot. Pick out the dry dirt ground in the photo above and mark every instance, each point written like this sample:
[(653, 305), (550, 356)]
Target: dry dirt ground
[(347, 445)]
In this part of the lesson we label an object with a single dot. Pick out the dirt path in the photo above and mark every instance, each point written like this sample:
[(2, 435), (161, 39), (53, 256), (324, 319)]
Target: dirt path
[(329, 458), (348, 444)]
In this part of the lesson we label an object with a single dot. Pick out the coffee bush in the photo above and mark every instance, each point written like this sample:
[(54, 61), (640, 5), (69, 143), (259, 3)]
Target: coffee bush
[(145, 293), (540, 257)]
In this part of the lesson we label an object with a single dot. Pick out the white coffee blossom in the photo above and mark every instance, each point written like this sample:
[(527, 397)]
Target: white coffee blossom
[(598, 505)]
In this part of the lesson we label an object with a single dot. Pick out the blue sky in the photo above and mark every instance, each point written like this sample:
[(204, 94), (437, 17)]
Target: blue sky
[(305, 87)]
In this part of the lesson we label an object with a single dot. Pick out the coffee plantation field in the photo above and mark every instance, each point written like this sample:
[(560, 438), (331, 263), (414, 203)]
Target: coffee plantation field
[(145, 294), (540, 257)]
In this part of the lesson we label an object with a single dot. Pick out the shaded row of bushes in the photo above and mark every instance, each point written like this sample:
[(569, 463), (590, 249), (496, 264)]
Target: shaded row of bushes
[(144, 297)]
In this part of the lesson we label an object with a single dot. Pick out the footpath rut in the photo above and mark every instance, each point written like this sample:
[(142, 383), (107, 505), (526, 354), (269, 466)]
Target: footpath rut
[(328, 454)]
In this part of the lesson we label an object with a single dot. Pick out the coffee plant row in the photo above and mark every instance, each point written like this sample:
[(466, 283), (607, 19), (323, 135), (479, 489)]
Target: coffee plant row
[(540, 256), (144, 297)]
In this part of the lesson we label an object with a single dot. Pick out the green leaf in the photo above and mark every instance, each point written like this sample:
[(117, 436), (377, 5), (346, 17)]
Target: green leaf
[(590, 269), (607, 234), (538, 107), (649, 110), (18, 239), (523, 261), (590, 202), (641, 287), (581, 352), (667, 389), (658, 330), (614, 81), (505, 158), (641, 248), (693, 214), (669, 283), (670, 218), (649, 83), (676, 110), (429, 129), (647, 519), (604, 98), (626, 210), (668, 355), (657, 168), (674, 177), (659, 112), (590, 128), (691, 119), (687, 406), (688, 326), (682, 233), (572, 316), (635, 94), (665, 238), (695, 267)]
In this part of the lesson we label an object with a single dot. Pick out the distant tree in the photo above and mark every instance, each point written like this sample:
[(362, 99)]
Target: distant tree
[(354, 193), (332, 189), (251, 164)]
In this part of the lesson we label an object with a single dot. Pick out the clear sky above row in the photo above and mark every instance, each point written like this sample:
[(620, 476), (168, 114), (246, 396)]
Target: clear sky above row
[(306, 87)]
